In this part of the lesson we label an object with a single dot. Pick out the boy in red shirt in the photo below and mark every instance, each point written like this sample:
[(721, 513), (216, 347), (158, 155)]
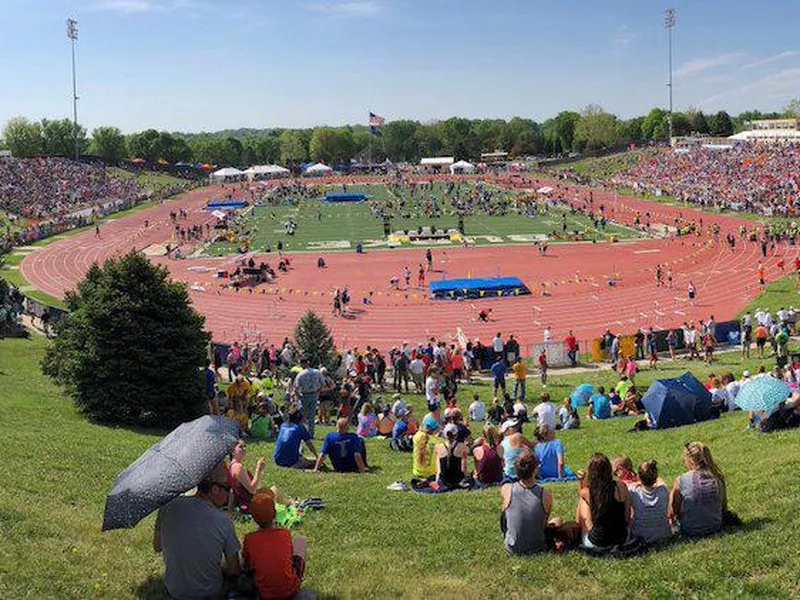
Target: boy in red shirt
[(543, 367), (276, 560)]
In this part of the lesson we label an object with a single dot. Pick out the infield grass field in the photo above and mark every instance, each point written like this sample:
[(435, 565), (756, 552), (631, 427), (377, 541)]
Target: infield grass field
[(323, 226)]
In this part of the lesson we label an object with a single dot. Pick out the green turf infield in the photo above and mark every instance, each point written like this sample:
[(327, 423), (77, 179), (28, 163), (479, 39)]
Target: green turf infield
[(323, 226)]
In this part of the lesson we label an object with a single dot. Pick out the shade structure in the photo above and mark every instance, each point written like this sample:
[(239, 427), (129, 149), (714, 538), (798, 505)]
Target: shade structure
[(318, 169), (545, 190), (462, 166), (581, 394), (762, 393), (675, 402), (171, 467)]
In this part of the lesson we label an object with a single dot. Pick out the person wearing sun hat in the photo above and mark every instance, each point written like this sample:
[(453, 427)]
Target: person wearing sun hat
[(276, 561)]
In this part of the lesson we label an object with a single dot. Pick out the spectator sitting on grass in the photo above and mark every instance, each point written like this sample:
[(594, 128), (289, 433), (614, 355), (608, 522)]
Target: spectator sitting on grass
[(451, 465), (243, 483), (525, 519), (386, 421), (401, 438), (277, 562), (424, 457), (549, 454), (488, 455), (545, 411), (603, 506), (650, 504), (514, 444), (367, 422), (698, 496), (287, 448), (346, 450), (599, 405), (477, 410), (622, 467), (194, 535)]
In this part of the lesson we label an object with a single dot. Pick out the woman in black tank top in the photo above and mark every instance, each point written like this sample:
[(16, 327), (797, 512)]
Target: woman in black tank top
[(604, 506)]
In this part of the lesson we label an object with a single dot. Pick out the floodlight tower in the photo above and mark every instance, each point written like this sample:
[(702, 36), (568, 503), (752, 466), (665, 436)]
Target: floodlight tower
[(669, 23), (72, 34)]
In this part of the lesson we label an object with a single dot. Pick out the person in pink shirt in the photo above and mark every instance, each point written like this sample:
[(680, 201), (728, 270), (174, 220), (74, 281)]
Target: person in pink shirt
[(631, 369)]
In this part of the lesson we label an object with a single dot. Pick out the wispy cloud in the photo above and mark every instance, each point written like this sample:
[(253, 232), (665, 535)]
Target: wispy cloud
[(701, 65), (779, 85), (623, 37), (139, 6), (126, 6), (346, 8), (770, 59)]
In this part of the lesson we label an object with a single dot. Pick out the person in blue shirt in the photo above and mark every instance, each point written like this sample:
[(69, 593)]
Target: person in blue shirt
[(211, 390), (550, 452), (287, 447), (600, 405), (499, 372), (346, 450), (401, 441)]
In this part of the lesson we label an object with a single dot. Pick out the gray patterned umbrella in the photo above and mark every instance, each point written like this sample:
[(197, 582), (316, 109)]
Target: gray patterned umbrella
[(173, 466)]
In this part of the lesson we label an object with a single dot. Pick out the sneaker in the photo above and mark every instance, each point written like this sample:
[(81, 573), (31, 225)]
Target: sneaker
[(398, 486)]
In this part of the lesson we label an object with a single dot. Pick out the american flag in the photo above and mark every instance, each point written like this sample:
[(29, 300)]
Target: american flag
[(375, 120)]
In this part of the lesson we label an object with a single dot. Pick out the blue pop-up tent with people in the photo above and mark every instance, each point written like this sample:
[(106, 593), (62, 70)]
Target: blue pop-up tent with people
[(678, 401)]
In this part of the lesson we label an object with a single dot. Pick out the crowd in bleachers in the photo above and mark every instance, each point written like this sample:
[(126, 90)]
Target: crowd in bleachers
[(46, 196), (748, 177), (42, 188)]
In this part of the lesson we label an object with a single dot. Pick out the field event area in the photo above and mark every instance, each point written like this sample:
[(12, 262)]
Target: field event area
[(300, 217)]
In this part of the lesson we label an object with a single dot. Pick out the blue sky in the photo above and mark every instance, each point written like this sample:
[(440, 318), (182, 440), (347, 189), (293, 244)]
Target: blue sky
[(194, 65)]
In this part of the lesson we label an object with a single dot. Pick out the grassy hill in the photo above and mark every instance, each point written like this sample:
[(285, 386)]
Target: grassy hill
[(370, 542)]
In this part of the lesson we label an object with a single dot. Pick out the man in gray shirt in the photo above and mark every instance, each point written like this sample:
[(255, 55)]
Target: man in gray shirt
[(193, 536), (308, 383)]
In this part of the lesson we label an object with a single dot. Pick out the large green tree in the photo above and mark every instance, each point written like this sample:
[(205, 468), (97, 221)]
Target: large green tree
[(58, 137), (721, 124), (109, 144), (399, 140), (331, 145), (23, 137), (293, 149), (130, 351), (596, 130), (564, 128), (654, 125)]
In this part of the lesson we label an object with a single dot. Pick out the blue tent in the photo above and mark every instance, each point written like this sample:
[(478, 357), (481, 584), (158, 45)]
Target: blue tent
[(675, 402)]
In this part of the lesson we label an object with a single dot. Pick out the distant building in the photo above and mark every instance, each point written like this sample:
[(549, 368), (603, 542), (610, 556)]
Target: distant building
[(770, 130), (498, 157), (436, 164)]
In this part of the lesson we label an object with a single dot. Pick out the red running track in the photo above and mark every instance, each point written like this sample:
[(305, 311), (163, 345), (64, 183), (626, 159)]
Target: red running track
[(574, 273)]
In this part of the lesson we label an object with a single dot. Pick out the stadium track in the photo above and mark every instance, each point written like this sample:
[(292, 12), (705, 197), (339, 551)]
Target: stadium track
[(575, 274)]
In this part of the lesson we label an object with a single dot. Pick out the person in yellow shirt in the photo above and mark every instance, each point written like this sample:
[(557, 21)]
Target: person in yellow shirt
[(238, 394), (424, 445), (520, 373)]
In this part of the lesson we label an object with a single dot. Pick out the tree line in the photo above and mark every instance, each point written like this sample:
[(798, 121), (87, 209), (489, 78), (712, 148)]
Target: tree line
[(590, 131)]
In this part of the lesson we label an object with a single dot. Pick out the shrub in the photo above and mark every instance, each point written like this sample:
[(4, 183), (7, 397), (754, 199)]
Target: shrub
[(131, 349)]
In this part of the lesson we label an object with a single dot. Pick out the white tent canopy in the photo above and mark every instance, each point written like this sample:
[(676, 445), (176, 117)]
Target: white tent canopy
[(226, 173), (437, 161), (462, 166), (266, 171), (545, 190), (318, 169)]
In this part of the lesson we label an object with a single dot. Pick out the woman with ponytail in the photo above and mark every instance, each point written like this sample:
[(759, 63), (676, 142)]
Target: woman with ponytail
[(424, 457), (699, 496)]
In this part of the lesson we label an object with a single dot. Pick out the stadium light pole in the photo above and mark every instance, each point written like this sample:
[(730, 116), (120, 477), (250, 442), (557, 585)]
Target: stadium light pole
[(669, 23), (72, 34)]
